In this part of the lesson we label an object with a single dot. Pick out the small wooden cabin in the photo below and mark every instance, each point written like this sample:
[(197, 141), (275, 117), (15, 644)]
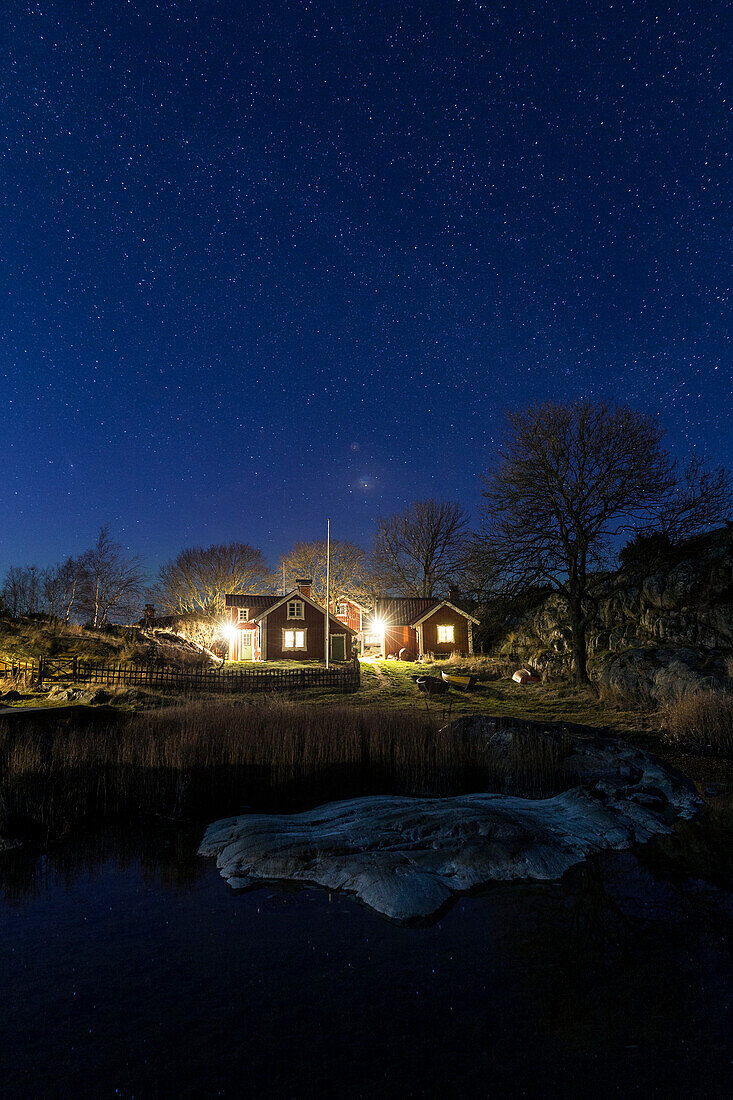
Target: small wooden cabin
[(419, 627)]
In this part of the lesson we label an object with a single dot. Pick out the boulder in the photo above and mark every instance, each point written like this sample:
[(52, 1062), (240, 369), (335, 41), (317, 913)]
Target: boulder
[(406, 857), (661, 673)]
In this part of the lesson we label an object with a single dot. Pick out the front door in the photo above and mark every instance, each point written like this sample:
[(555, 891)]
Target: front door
[(245, 645), (338, 647)]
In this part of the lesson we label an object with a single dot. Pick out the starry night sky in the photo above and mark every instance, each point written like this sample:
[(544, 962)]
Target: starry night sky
[(266, 262)]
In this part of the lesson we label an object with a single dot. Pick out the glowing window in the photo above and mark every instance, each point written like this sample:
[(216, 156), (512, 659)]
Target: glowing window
[(445, 634), (342, 609), (243, 614), (293, 639), (296, 609)]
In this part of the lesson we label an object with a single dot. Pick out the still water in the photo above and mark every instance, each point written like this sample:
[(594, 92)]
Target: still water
[(130, 969)]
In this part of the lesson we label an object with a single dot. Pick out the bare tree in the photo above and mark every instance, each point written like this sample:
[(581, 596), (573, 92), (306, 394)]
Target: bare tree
[(572, 478), (196, 581), (63, 585), (22, 591), (420, 551), (113, 581), (349, 573)]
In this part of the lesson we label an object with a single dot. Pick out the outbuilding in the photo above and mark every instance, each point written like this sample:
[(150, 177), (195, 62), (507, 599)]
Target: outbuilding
[(417, 628)]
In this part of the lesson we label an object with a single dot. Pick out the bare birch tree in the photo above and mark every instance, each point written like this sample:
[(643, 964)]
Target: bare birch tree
[(421, 551), (569, 481), (113, 581), (197, 580), (62, 587)]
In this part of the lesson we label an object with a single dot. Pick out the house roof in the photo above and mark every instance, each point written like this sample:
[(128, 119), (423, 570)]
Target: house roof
[(256, 602), (403, 610), (411, 611), (261, 605)]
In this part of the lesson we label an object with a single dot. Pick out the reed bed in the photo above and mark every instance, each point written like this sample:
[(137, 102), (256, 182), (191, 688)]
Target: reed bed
[(702, 721), (199, 759)]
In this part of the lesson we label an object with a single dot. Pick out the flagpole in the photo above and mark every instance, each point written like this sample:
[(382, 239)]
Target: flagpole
[(328, 590)]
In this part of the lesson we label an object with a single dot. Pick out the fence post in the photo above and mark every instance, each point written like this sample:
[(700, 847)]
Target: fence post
[(40, 672)]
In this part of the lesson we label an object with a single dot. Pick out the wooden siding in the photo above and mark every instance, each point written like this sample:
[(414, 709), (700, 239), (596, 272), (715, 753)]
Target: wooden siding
[(235, 641), (313, 623), (444, 616), (400, 637), (352, 617), (275, 623)]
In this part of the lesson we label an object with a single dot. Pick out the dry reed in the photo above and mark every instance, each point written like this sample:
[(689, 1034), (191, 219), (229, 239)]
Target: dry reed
[(201, 759), (702, 721)]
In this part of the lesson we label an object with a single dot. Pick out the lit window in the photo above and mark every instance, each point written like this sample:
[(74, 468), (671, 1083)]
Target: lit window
[(445, 634), (342, 609), (371, 639), (243, 614), (293, 639), (296, 609)]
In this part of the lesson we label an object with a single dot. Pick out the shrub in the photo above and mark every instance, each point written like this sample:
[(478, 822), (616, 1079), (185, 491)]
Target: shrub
[(702, 721)]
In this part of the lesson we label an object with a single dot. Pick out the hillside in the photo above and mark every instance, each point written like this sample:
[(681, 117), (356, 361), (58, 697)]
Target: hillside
[(33, 637)]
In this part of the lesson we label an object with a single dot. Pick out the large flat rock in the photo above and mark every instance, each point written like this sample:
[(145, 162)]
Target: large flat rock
[(405, 857)]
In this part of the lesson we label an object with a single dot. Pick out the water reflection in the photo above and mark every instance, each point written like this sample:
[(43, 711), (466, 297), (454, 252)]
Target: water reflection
[(149, 976), (165, 857)]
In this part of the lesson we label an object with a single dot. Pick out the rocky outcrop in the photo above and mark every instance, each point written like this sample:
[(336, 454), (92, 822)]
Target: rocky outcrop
[(406, 857), (683, 599), (662, 673)]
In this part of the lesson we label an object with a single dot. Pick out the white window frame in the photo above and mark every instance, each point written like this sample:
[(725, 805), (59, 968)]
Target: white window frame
[(342, 609), (298, 609), (295, 647), (444, 629), (243, 616)]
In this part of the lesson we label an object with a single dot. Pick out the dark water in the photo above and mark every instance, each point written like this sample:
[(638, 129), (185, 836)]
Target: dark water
[(130, 969)]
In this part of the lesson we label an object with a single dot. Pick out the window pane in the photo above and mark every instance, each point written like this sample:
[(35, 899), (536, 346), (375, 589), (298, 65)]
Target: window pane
[(300, 639)]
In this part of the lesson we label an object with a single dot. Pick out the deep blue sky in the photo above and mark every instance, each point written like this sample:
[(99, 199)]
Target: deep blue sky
[(261, 263)]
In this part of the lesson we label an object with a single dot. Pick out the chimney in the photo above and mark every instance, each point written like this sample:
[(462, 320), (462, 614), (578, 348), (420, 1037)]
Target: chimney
[(304, 585), (149, 614), (454, 594)]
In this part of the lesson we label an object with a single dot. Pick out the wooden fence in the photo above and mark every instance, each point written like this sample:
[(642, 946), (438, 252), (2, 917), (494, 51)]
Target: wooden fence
[(341, 678)]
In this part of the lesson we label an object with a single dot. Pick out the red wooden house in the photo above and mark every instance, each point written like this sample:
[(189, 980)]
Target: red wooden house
[(350, 612), (418, 627), (291, 627)]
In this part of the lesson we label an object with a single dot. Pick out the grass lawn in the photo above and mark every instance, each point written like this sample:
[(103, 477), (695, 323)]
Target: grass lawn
[(389, 683)]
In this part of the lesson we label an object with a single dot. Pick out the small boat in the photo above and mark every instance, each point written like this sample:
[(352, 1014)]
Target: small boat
[(459, 681), (525, 676), (431, 685)]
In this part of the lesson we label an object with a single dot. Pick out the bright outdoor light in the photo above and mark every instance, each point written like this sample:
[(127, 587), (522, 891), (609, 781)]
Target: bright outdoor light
[(379, 626), (230, 631)]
